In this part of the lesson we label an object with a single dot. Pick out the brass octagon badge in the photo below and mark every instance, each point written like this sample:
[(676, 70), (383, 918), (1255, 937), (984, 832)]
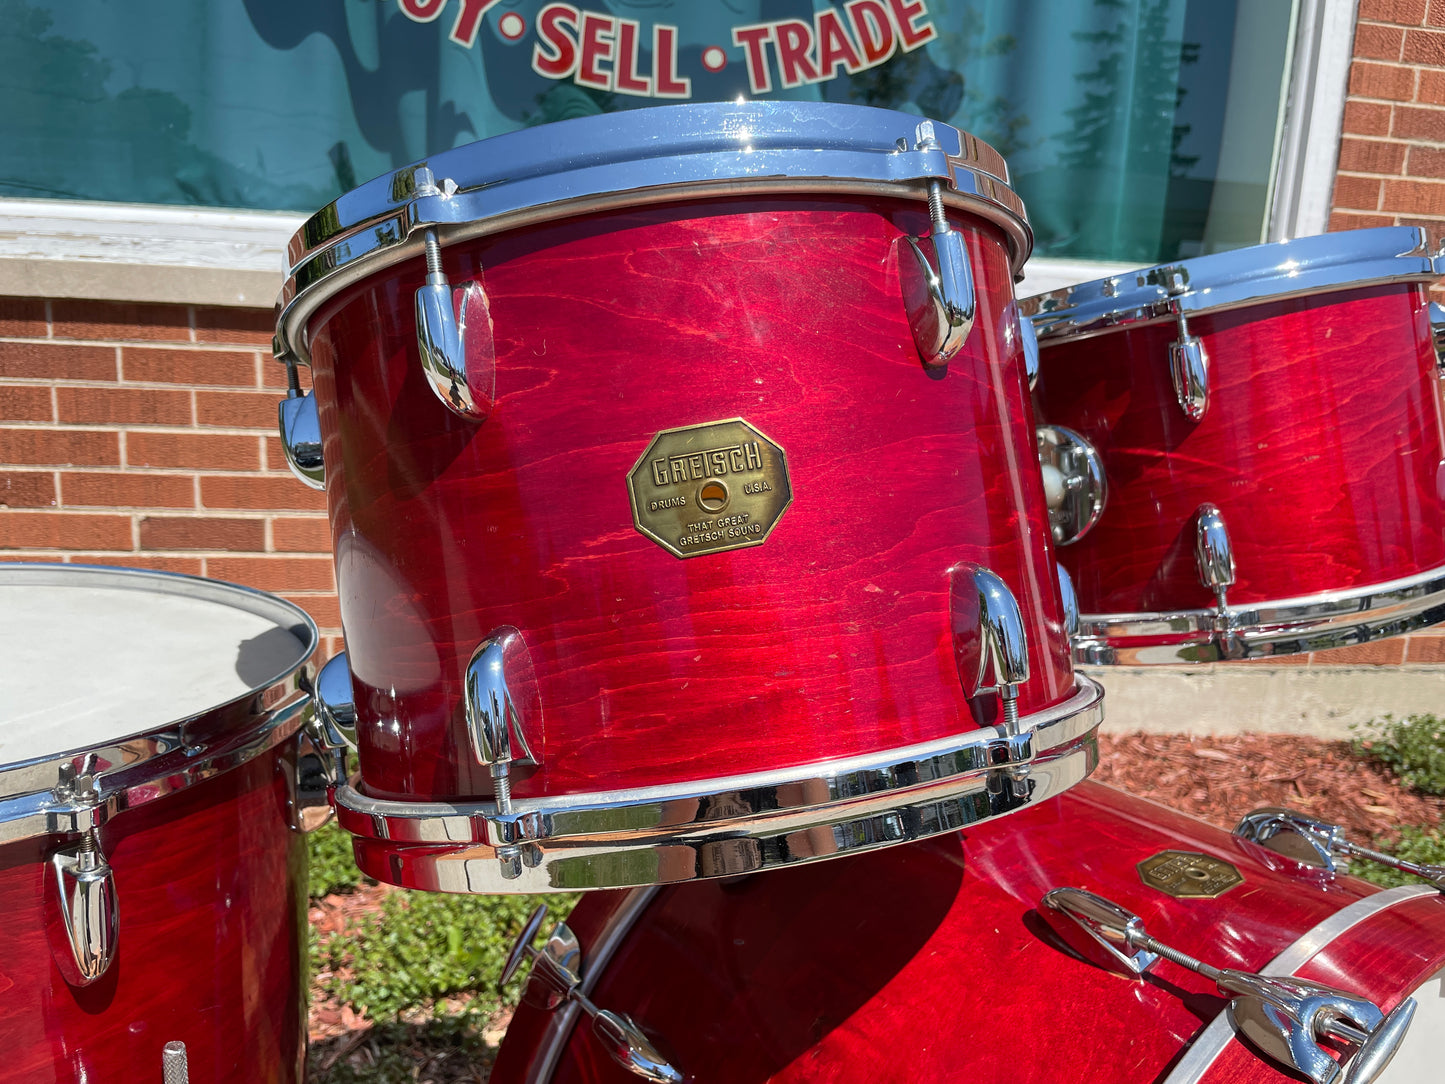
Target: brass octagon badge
[(1189, 876), (708, 488)]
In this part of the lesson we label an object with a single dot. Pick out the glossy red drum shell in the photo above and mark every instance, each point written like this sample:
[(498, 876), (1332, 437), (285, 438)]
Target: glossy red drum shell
[(1321, 446), (211, 887), (830, 639), (930, 962)]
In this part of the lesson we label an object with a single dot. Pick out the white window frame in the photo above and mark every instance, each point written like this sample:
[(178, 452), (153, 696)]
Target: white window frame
[(201, 256)]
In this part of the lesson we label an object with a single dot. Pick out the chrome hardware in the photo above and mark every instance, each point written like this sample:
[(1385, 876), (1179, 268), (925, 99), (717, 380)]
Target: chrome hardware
[(1286, 1018), (467, 386), (1074, 485), (670, 154), (556, 977), (1030, 341), (301, 430), (87, 911), (493, 722), (988, 635), (173, 1064), (940, 302), (1354, 259), (326, 736), (335, 723), (1284, 627), (1314, 842), (1189, 370), (1214, 561), (1437, 334), (1111, 935), (1070, 600), (736, 824)]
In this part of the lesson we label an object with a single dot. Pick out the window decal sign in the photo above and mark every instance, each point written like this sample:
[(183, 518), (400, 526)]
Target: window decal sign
[(607, 52)]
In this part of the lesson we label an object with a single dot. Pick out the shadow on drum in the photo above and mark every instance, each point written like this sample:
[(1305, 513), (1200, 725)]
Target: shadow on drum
[(262, 657), (749, 975)]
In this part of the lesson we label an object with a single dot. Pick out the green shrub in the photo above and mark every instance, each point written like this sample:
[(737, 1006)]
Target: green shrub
[(1424, 845), (332, 868), (1413, 747), (427, 945), (392, 1053)]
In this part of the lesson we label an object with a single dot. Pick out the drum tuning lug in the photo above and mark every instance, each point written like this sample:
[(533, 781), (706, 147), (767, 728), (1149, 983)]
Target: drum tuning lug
[(174, 1069), (988, 634), (467, 386), (494, 722), (1214, 560), (84, 915), (940, 301), (1189, 369), (301, 430), (323, 742), (1317, 843), (1285, 1018), (1070, 600), (1437, 335), (1188, 362), (556, 977), (1074, 486), (1029, 340)]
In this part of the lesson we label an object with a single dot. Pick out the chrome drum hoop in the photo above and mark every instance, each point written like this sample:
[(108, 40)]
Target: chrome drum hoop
[(1259, 630), (37, 796), (635, 158), (741, 824), (1349, 260)]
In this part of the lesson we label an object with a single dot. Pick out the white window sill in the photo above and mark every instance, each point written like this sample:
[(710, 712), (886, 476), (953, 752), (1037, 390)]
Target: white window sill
[(188, 256)]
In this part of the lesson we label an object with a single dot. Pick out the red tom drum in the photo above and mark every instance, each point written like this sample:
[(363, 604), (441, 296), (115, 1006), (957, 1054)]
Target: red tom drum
[(681, 472), (933, 962), (1261, 434), (152, 877)]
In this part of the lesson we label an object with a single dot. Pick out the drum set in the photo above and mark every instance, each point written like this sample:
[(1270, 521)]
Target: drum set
[(705, 506)]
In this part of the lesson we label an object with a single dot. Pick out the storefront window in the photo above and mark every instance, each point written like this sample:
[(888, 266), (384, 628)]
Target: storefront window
[(1137, 129)]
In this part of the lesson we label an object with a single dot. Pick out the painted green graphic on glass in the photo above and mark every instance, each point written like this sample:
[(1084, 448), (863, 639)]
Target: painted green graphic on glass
[(1136, 129)]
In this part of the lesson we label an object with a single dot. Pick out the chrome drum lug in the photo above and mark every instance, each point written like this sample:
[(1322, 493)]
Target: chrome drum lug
[(1074, 485)]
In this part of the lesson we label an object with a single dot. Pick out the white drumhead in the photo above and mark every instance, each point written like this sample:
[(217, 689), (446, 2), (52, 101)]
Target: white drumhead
[(88, 656), (1417, 1061)]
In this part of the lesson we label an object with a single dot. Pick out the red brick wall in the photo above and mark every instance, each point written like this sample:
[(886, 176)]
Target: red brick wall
[(1392, 147), (144, 435)]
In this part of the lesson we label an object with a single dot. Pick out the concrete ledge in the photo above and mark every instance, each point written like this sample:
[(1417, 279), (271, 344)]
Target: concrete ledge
[(1321, 702)]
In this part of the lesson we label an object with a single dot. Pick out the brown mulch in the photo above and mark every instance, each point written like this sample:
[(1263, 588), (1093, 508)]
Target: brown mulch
[(1216, 778), (1221, 778)]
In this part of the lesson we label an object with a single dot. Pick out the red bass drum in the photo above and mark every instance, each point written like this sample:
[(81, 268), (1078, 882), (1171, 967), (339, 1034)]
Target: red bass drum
[(152, 877), (932, 962), (1258, 435), (690, 530)]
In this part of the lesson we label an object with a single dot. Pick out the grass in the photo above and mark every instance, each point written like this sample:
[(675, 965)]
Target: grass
[(421, 946), (425, 946), (1414, 748)]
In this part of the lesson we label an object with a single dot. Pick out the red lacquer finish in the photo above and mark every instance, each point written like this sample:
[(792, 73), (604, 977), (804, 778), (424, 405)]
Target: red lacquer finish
[(1321, 446), (929, 962), (211, 887), (832, 638)]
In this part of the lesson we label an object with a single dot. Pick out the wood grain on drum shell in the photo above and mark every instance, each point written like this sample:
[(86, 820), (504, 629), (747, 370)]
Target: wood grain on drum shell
[(929, 962), (1321, 446), (212, 894), (830, 639)]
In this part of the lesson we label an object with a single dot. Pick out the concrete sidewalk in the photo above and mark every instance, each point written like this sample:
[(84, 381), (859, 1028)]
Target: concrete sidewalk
[(1321, 702)]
